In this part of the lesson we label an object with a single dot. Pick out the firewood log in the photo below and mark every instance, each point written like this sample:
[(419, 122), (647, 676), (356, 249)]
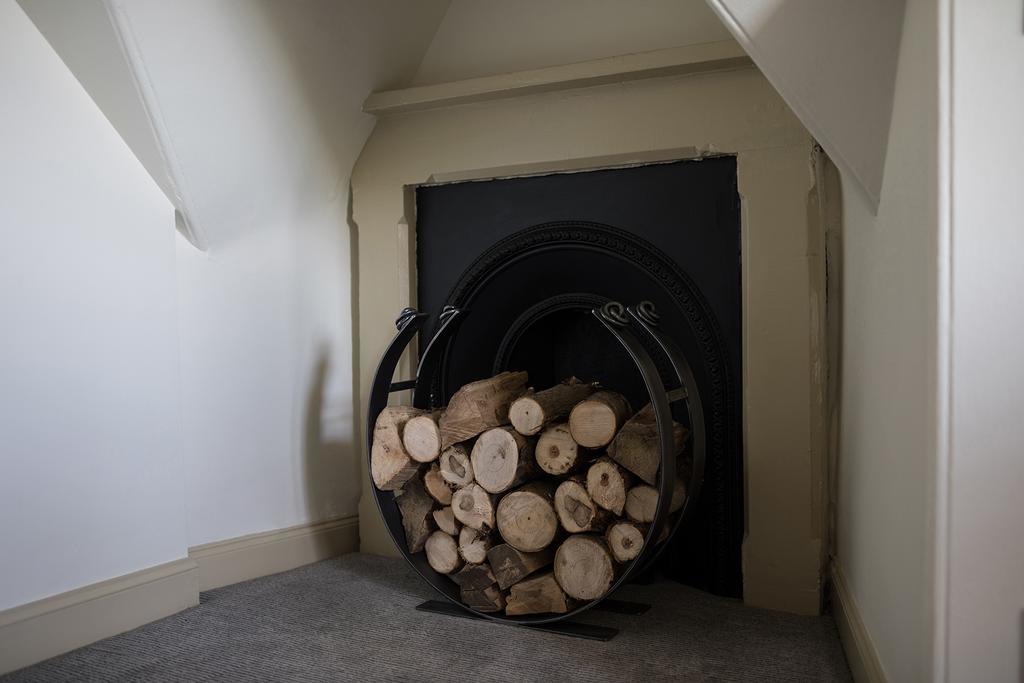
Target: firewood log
[(502, 459), (455, 465), (475, 577), (473, 545), (526, 517), (415, 507), (576, 511), (511, 566), (594, 421), (607, 484), (557, 452), (489, 599), (390, 464), (474, 507), (642, 501), (422, 437), (480, 405), (625, 540), (539, 595), (531, 412), (584, 567), (637, 446), (436, 486), (446, 522), (442, 553)]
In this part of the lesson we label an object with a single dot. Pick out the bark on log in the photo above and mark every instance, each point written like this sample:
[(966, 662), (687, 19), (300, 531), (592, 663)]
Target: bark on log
[(442, 553), (474, 507), (557, 452), (502, 459), (480, 405), (637, 446), (436, 486), (422, 437), (539, 595), (489, 599), (475, 577), (530, 413), (575, 510), (607, 484), (455, 465), (415, 506), (473, 545), (446, 522), (583, 567), (625, 540), (511, 566), (390, 464), (594, 421), (526, 517)]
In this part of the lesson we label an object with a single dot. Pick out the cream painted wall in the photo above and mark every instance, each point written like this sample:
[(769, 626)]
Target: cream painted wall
[(91, 468), (886, 475), (986, 571), (728, 112), (263, 109), (486, 37)]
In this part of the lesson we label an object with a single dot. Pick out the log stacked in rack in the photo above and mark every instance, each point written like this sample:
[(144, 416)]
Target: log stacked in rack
[(531, 501)]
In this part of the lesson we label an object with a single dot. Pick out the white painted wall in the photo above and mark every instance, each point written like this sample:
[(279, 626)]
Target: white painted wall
[(91, 472), (986, 544), (834, 62), (486, 37), (885, 512), (263, 108)]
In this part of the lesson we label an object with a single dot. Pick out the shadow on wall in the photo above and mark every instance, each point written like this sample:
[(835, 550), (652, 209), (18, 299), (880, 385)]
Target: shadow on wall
[(330, 459)]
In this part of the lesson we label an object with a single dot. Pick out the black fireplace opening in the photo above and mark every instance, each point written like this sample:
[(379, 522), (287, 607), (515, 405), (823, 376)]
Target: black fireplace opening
[(527, 259)]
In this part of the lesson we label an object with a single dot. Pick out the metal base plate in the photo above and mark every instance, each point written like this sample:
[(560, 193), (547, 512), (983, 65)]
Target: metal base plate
[(564, 628), (621, 607)]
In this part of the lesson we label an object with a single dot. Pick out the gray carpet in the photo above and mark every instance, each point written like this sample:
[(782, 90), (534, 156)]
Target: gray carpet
[(352, 619)]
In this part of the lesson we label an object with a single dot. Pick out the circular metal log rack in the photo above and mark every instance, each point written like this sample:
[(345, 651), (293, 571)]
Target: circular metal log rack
[(623, 324)]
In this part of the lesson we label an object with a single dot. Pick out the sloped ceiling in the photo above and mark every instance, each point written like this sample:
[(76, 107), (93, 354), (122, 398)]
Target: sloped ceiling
[(156, 71), (834, 62)]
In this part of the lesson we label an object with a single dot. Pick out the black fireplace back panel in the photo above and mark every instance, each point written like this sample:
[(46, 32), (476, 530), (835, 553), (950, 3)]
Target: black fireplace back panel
[(684, 216)]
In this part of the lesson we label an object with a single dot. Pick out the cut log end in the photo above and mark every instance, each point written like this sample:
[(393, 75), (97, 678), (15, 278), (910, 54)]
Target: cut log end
[(526, 518), (474, 508), (473, 545), (442, 553), (607, 484), (642, 503), (625, 541), (446, 522), (576, 511), (594, 421), (455, 465), (422, 438), (583, 567), (502, 459), (557, 452)]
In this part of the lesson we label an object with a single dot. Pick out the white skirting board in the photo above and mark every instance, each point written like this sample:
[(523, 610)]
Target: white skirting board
[(45, 628), (42, 629), (860, 650), (248, 557)]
